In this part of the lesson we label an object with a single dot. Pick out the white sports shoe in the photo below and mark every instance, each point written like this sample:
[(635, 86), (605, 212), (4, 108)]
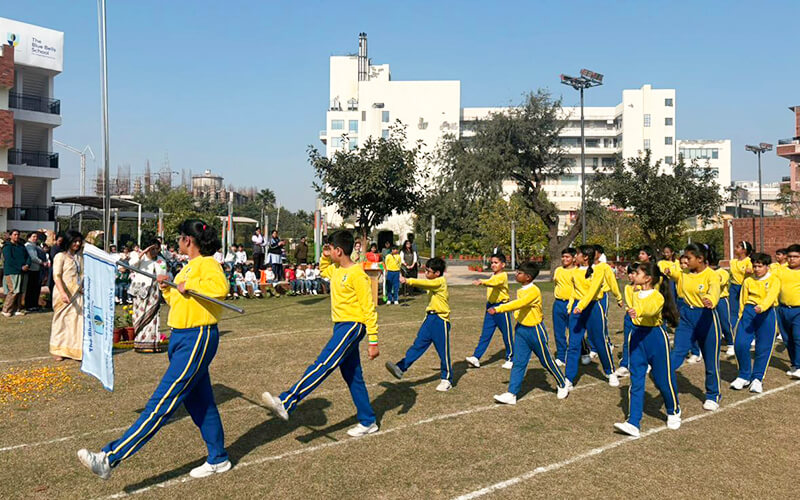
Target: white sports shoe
[(710, 405), (563, 392), (794, 374), (506, 398), (473, 361), (95, 462), (361, 430), (444, 386), (275, 406), (560, 363), (730, 351), (592, 355), (586, 359), (694, 358), (674, 421), (739, 384), (622, 372), (755, 386), (613, 380), (508, 365), (208, 469), (627, 428), (569, 385)]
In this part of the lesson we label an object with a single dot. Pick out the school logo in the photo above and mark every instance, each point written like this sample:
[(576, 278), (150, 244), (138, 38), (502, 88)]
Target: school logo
[(700, 288), (12, 39)]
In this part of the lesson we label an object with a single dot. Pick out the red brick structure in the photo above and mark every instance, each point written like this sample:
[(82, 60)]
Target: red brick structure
[(779, 232), (790, 149), (6, 125), (6, 66)]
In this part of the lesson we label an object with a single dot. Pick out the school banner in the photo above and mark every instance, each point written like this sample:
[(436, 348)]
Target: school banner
[(98, 315)]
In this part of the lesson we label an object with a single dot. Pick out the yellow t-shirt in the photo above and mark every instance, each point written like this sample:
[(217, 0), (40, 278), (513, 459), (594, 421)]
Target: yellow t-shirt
[(694, 287), (672, 265), (724, 282), (497, 288), (438, 296), (586, 289), (527, 306), (609, 280), (761, 292), (740, 269), (790, 286), (351, 296), (392, 262), (563, 283), (648, 305), (202, 275)]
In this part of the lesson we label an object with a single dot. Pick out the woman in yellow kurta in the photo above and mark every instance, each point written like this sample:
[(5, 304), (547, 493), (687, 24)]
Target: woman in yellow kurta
[(66, 333)]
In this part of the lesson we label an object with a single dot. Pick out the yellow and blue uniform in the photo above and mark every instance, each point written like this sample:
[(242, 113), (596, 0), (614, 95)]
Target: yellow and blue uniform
[(680, 302), (496, 294), (192, 345), (353, 314), (740, 269), (586, 295), (529, 336), (627, 324), (435, 329), (699, 324), (789, 312), (649, 345), (724, 306), (563, 293), (762, 326), (611, 286), (392, 263), (674, 266)]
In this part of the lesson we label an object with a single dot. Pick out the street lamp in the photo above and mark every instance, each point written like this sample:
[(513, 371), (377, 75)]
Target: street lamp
[(587, 80), (762, 147)]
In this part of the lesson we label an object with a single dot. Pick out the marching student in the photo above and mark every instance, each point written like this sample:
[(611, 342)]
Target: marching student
[(646, 254), (670, 260), (789, 308), (649, 347), (740, 268), (757, 319), (780, 259), (587, 316), (695, 356), (562, 292), (392, 263), (609, 285), (724, 305), (699, 321), (627, 324), (436, 327), (529, 335), (496, 294), (353, 315), (192, 346)]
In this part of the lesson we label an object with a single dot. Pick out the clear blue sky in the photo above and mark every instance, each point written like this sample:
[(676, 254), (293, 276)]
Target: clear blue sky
[(241, 87)]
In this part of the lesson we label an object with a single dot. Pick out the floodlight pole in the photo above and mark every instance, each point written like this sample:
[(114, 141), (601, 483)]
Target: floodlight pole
[(101, 7), (761, 148)]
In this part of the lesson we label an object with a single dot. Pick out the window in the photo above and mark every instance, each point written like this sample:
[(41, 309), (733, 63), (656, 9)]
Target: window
[(591, 143), (352, 143), (385, 116), (595, 162), (668, 102), (353, 126), (608, 162), (715, 154), (668, 160), (337, 124), (668, 141), (668, 122), (336, 142), (646, 120), (646, 144), (385, 133)]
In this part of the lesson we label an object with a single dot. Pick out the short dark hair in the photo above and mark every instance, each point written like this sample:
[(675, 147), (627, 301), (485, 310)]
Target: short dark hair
[(529, 268), (793, 248), (569, 250), (344, 240), (70, 236), (761, 258), (501, 257), (783, 251), (204, 235), (632, 267), (436, 264), (599, 249)]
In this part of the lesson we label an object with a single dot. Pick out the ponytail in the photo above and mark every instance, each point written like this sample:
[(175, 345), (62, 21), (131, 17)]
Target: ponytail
[(204, 235), (588, 251), (669, 311)]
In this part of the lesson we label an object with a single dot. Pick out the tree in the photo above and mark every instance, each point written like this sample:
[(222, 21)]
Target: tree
[(605, 226), (178, 204), (660, 202), (521, 145), (789, 200), (494, 224), (370, 183)]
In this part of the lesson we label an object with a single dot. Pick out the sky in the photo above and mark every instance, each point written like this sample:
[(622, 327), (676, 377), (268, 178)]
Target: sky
[(241, 87)]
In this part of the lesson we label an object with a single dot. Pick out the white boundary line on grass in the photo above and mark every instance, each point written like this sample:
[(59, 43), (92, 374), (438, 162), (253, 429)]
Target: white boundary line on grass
[(610, 446)]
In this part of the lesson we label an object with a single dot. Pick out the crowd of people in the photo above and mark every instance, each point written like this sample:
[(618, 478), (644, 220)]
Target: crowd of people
[(27, 268)]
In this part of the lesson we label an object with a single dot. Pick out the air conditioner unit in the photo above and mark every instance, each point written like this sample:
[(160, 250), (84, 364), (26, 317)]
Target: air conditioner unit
[(378, 105)]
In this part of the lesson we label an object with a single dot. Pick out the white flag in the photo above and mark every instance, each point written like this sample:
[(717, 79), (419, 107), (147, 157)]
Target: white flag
[(98, 315)]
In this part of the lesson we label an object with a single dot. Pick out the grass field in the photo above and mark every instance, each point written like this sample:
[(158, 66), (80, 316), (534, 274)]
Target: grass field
[(431, 444)]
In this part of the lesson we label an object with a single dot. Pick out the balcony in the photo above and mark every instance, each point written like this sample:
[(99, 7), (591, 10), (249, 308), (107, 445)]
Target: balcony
[(32, 158), (323, 136), (30, 102), (32, 213), (789, 148)]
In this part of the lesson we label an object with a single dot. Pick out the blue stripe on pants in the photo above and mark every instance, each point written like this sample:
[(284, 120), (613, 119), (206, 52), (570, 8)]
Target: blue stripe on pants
[(392, 286), (341, 351), (436, 331), (649, 345), (627, 328), (789, 318), (590, 321), (762, 327), (724, 314), (490, 324), (186, 381), (560, 326), (699, 325), (529, 339)]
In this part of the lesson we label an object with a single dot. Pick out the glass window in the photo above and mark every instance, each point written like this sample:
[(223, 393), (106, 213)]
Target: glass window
[(646, 144), (668, 141), (385, 116), (595, 162), (608, 162), (668, 160), (352, 143), (668, 122), (591, 143), (715, 154), (668, 102), (337, 124), (353, 126), (336, 142), (646, 120), (385, 133)]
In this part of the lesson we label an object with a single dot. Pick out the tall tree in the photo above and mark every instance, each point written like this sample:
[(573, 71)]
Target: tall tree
[(370, 183), (494, 224), (265, 198), (660, 201)]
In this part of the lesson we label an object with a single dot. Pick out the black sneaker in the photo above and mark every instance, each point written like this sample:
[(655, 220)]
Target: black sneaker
[(394, 370)]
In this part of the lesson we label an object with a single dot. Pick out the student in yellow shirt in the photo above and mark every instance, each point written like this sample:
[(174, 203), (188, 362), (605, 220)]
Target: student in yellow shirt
[(741, 267), (627, 324), (192, 346), (757, 320), (670, 260), (496, 294), (724, 305), (529, 335), (611, 286), (649, 347), (354, 317), (789, 308), (562, 292), (436, 327), (780, 259), (392, 263)]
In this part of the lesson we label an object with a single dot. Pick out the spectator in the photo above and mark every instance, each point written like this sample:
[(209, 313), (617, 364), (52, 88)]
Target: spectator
[(241, 257), (386, 250), (358, 254), (409, 265), (275, 255), (301, 252), (55, 249), (259, 245), (251, 283), (230, 258), (146, 296), (300, 276), (34, 285), (271, 277), (311, 280), (238, 278), (123, 280), (291, 279), (219, 257), (373, 255)]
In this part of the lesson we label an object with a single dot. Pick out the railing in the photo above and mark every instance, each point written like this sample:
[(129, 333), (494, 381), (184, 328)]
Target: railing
[(32, 213), (32, 102), (793, 140), (32, 158)]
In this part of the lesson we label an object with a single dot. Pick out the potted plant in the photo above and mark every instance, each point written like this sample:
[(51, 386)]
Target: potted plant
[(123, 324)]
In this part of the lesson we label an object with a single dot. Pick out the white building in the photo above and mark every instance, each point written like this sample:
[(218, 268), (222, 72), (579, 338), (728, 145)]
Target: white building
[(37, 56), (747, 196), (715, 154)]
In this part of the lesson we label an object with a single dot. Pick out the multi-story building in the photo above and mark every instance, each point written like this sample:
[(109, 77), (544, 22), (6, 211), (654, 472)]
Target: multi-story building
[(37, 57), (790, 149), (212, 187)]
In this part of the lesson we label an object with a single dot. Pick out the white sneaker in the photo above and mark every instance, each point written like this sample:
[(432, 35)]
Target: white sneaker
[(674, 421), (508, 365), (731, 351), (710, 405), (622, 372), (275, 406), (586, 359), (569, 385), (560, 363), (755, 386), (739, 384), (444, 386), (20, 313), (473, 361), (361, 430), (694, 358), (613, 380), (648, 369), (794, 374), (208, 469), (627, 428), (563, 392), (592, 355), (7, 315), (95, 462), (506, 398)]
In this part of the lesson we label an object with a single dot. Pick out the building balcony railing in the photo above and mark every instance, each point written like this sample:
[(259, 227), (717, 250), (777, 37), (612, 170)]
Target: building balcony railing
[(32, 213), (30, 102), (793, 140), (32, 158)]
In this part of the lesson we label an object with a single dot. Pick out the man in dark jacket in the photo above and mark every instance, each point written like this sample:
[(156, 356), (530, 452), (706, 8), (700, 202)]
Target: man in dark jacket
[(301, 252), (16, 261)]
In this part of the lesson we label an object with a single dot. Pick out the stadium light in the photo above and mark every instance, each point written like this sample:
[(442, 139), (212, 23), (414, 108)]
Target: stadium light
[(762, 147)]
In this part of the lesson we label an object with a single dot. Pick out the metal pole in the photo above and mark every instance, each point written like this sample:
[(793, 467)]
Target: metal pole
[(513, 245), (101, 5), (583, 178), (760, 208), (139, 227), (433, 236), (116, 226), (83, 188)]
